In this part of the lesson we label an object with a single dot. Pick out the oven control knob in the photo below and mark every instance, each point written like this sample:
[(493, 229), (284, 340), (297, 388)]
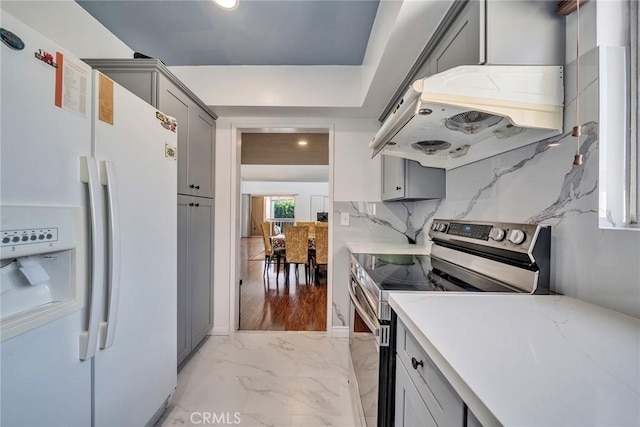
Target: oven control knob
[(517, 236), (434, 226), (442, 227), (497, 234)]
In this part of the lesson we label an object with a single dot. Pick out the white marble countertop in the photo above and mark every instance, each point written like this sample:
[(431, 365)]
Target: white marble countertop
[(530, 360), (388, 248)]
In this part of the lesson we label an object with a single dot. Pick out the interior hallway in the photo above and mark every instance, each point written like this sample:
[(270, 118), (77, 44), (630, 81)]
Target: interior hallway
[(266, 379), (269, 304)]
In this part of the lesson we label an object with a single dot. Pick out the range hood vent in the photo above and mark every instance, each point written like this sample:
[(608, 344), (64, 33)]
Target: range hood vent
[(471, 122), (470, 113)]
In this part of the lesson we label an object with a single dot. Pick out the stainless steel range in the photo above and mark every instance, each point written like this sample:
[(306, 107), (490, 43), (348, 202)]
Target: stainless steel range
[(466, 256)]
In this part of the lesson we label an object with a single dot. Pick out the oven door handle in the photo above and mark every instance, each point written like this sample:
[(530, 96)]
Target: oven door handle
[(372, 324)]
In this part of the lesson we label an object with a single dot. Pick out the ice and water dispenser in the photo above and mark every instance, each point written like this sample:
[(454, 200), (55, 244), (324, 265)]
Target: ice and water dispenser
[(42, 265)]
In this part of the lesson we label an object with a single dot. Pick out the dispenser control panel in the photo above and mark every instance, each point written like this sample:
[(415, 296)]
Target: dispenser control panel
[(43, 249), (28, 236)]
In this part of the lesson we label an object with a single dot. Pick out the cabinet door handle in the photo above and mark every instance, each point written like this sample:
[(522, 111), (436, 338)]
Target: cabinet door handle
[(190, 204), (415, 363), (191, 186), (398, 188), (197, 204), (197, 187)]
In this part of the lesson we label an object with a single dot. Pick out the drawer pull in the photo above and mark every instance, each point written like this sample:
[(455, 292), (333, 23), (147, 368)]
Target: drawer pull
[(415, 363)]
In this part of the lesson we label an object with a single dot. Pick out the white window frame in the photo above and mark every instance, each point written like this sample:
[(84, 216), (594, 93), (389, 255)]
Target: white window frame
[(634, 140), (619, 160)]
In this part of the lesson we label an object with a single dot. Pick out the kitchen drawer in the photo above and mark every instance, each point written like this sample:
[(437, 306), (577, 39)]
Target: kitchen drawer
[(446, 407)]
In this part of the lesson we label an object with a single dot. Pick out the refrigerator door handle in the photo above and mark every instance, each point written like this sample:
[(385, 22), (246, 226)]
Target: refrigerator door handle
[(89, 175), (108, 327)]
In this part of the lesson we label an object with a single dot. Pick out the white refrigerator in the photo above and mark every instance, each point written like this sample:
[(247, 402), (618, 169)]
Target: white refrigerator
[(88, 253)]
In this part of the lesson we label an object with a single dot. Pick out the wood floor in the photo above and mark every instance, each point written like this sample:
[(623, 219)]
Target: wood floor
[(270, 305)]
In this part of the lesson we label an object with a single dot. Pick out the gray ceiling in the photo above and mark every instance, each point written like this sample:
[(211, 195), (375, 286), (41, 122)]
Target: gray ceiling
[(258, 32)]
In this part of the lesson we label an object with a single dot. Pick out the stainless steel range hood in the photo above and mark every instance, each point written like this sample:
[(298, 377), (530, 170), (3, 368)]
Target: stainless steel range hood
[(469, 113)]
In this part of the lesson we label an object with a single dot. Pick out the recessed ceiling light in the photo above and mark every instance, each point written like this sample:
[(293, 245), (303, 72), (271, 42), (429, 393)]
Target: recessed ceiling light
[(553, 144), (227, 4), (302, 142)]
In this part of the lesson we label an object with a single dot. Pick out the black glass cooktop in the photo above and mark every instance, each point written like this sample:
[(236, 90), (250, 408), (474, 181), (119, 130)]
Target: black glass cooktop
[(407, 273), (398, 272)]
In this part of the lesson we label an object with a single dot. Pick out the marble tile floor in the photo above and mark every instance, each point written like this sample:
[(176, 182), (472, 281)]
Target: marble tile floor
[(274, 379)]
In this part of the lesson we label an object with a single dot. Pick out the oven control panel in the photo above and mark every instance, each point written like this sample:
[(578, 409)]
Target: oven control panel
[(473, 231), (509, 236)]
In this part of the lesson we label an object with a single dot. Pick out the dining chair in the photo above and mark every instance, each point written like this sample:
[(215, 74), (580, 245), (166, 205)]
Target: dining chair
[(321, 257), (310, 224), (269, 252), (296, 249)]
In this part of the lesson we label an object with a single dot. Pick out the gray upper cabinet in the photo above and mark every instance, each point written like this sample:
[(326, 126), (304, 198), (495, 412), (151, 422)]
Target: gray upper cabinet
[(201, 153), (172, 99), (489, 32), (523, 32), (496, 32), (462, 44), (404, 179), (392, 178), (153, 82)]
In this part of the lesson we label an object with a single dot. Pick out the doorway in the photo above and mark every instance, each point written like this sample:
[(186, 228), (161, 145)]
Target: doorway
[(283, 188)]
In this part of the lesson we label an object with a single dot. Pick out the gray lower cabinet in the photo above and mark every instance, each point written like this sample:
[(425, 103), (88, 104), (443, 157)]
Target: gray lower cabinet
[(153, 82), (421, 389), (410, 409), (404, 179), (195, 272)]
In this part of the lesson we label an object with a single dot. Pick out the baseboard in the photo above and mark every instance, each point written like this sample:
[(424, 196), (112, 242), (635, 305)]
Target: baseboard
[(340, 332), (220, 331)]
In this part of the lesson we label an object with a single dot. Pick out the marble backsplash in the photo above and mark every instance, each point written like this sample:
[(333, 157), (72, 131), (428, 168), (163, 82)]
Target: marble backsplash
[(534, 184)]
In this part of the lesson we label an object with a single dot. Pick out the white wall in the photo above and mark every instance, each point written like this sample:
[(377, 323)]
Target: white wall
[(260, 86), (70, 26), (302, 191), (356, 175)]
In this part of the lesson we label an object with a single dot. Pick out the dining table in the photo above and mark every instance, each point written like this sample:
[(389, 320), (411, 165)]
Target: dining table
[(278, 241)]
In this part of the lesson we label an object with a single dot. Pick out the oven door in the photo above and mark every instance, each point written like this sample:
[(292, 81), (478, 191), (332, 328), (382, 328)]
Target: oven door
[(370, 356)]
